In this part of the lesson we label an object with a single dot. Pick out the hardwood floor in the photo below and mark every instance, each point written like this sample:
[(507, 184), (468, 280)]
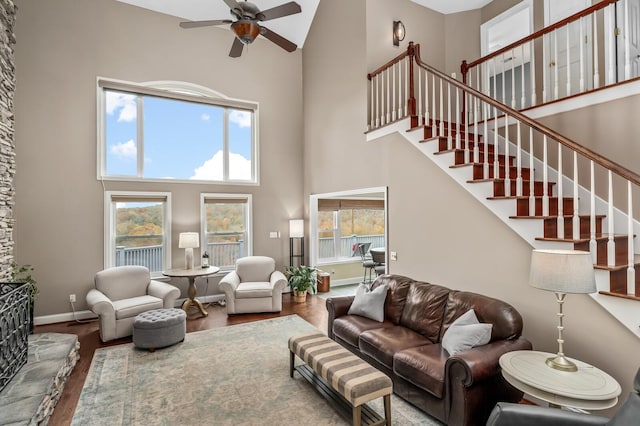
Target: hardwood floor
[(313, 311)]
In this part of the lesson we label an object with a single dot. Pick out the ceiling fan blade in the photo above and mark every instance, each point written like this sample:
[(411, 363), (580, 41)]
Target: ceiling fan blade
[(233, 4), (278, 39), (196, 24), (279, 11), (236, 48)]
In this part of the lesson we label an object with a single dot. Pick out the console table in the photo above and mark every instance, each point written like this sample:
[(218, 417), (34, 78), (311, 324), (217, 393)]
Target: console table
[(589, 388), (191, 275)]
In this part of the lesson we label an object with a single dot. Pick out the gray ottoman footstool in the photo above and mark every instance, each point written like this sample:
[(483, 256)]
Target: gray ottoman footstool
[(159, 328)]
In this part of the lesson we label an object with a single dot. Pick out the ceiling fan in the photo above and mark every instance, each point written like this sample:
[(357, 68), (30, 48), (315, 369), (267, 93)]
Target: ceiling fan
[(246, 26)]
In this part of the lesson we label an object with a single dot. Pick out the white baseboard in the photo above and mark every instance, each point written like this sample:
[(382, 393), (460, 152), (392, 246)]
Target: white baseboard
[(85, 315)]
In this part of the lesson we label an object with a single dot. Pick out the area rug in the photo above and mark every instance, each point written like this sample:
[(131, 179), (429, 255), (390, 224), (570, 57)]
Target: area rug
[(337, 291), (236, 375)]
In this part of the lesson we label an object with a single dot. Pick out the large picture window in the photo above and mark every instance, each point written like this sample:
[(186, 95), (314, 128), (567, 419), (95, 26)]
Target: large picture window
[(138, 230), (150, 133), (226, 228)]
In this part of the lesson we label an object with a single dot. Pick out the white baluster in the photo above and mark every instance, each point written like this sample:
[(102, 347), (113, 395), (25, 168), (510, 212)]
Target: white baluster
[(593, 245), (377, 99), (545, 79), (449, 137), (532, 195), (371, 117), (596, 65), (504, 90), (419, 95), (581, 47), (507, 161), (457, 121), (556, 93), (611, 47), (406, 85), (568, 61), (631, 271), (467, 139), (401, 99), (545, 178), (434, 124), (485, 135), (393, 93), (576, 198), (611, 244), (441, 132), (627, 47), (388, 73), (519, 161), (476, 137), (496, 150), (426, 98), (532, 72), (513, 79), (522, 80), (383, 115), (560, 195)]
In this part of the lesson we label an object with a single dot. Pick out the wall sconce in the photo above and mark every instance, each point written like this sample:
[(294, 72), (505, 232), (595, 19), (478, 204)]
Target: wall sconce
[(398, 32)]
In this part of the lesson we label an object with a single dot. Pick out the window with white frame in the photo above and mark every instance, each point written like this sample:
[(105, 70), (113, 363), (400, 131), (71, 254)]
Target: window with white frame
[(138, 230), (226, 228), (174, 132)]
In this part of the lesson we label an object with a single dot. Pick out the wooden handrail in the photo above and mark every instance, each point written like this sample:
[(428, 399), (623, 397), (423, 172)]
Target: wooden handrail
[(584, 151), (408, 52), (601, 5)]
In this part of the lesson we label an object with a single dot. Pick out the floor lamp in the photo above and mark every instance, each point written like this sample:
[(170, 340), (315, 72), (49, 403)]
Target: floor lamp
[(296, 230), (562, 272)]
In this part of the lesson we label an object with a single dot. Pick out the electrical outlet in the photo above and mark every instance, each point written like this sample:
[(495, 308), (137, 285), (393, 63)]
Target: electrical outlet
[(394, 255), (72, 298)]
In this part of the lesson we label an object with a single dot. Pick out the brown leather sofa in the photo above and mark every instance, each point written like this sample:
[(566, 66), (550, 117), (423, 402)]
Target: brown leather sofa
[(458, 390)]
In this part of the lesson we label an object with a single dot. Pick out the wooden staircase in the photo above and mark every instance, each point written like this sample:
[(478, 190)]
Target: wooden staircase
[(523, 210)]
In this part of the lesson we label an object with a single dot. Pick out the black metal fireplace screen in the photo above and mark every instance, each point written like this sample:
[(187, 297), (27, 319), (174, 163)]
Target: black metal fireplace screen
[(14, 330)]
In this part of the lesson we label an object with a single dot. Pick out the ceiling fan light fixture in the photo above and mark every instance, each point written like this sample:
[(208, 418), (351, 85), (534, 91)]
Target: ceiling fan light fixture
[(246, 30)]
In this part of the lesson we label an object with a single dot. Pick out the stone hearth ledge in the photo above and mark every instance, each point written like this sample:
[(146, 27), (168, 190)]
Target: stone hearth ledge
[(30, 397)]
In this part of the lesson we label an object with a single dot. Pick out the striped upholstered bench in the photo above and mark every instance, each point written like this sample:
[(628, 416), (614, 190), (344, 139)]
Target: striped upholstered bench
[(342, 373)]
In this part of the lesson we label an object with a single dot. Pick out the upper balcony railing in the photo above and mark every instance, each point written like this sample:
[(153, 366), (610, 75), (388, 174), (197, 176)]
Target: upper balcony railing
[(592, 49)]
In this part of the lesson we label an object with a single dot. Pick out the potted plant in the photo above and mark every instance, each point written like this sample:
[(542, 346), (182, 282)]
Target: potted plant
[(22, 274), (301, 279)]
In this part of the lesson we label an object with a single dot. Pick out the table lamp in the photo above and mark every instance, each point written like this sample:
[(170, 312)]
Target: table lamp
[(562, 272), (188, 241)]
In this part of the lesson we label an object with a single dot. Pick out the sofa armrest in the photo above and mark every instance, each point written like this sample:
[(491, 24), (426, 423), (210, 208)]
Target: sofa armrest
[(99, 303), (337, 307), (167, 292), (532, 415), (278, 281), (482, 362)]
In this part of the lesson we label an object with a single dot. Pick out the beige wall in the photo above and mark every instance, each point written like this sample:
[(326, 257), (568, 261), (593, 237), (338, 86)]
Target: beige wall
[(62, 46), (441, 234)]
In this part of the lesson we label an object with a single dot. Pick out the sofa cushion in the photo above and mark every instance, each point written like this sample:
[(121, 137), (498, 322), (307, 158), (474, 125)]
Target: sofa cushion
[(250, 290), (396, 295), (423, 366), (348, 328), (465, 333), (127, 308), (369, 303), (424, 309), (506, 321), (382, 343)]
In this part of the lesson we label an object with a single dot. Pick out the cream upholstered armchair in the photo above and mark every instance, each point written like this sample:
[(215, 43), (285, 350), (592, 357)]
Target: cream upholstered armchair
[(255, 286), (123, 292)]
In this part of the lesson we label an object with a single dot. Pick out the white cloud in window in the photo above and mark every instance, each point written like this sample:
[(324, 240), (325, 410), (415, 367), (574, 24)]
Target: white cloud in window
[(205, 117), (239, 168), (125, 150), (122, 102), (241, 118)]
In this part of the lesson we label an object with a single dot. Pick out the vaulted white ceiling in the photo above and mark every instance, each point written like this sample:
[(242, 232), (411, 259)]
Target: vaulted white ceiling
[(293, 27)]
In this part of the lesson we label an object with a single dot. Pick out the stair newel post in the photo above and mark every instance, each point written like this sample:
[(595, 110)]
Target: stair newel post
[(519, 161), (576, 197), (545, 178), (611, 245), (559, 195), (593, 246), (411, 100), (507, 161), (631, 272)]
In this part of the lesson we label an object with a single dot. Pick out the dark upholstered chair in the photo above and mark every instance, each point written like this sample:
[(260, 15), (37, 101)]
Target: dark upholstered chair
[(505, 414)]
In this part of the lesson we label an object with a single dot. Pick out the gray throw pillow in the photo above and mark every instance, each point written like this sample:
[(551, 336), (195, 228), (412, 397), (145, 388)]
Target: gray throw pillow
[(465, 333), (369, 303)]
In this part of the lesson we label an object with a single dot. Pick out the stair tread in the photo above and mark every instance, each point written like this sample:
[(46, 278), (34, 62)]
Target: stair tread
[(584, 216), (625, 296), (599, 237)]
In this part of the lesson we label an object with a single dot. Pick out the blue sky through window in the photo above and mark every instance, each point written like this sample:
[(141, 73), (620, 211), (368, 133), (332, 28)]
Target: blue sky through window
[(182, 140)]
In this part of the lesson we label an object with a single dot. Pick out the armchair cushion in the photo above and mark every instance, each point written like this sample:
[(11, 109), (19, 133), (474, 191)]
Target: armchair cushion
[(247, 290), (255, 286), (127, 308)]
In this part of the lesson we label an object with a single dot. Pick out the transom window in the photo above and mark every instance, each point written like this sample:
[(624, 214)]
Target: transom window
[(138, 230), (226, 228), (183, 134)]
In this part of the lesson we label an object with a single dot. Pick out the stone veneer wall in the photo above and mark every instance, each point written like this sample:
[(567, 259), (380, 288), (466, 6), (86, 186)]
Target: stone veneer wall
[(7, 132)]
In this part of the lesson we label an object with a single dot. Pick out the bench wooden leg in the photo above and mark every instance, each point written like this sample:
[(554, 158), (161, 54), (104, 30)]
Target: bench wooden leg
[(357, 414), (292, 361), (387, 409)]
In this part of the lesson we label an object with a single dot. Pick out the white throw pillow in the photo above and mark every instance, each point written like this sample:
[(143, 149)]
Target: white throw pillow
[(465, 333), (369, 303)]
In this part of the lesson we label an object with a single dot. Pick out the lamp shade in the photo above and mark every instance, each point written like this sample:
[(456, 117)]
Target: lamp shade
[(189, 240), (562, 271), (296, 228)]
